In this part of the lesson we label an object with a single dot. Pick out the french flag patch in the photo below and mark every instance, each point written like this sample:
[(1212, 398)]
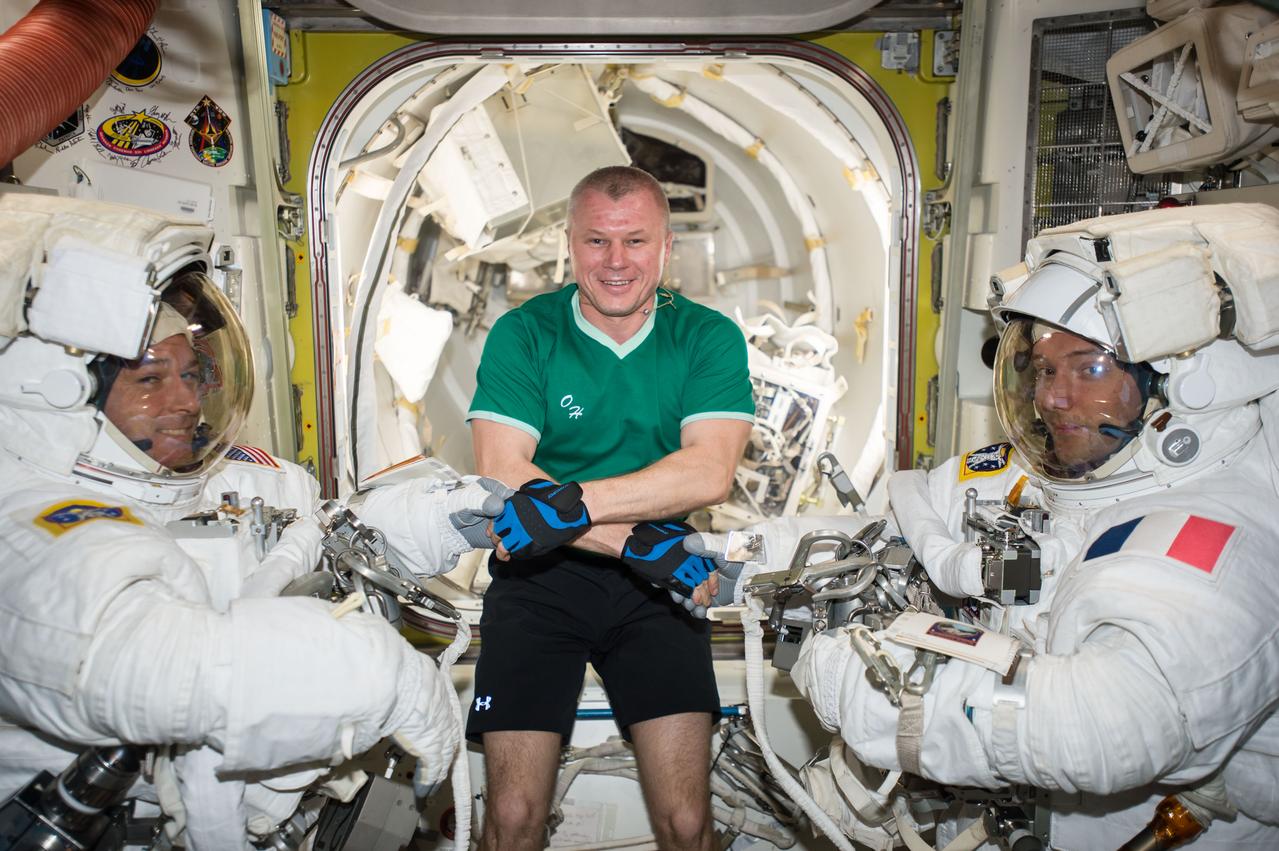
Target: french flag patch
[(1196, 541), (251, 455)]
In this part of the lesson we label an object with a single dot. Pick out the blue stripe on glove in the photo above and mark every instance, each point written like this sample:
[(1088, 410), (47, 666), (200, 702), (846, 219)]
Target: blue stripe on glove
[(655, 551), (541, 516)]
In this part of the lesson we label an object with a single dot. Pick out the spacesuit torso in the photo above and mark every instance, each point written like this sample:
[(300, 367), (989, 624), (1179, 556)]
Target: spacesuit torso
[(1201, 610), (1154, 652), (1189, 571)]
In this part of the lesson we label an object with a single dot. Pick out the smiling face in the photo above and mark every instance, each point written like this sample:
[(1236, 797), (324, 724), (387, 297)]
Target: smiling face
[(618, 248), (155, 401), (1085, 398)]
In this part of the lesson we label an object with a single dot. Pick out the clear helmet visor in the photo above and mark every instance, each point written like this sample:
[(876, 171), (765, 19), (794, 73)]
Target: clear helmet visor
[(179, 406), (1069, 406)]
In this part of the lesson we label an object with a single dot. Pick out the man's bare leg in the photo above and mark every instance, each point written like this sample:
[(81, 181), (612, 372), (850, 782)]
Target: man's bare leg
[(519, 772), (674, 754)]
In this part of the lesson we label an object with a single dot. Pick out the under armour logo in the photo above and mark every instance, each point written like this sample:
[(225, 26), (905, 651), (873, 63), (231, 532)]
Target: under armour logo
[(574, 411), (482, 703)]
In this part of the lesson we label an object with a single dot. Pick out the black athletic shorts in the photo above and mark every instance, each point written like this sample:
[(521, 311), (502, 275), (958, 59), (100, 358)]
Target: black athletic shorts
[(545, 618)]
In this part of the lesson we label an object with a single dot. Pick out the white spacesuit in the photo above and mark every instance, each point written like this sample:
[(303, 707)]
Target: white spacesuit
[(122, 386), (1135, 378)]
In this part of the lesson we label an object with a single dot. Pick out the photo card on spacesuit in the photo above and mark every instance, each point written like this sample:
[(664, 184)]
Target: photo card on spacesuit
[(954, 638)]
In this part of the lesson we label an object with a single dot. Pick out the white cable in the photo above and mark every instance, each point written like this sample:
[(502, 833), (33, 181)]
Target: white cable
[(377, 259), (752, 616), (461, 761)]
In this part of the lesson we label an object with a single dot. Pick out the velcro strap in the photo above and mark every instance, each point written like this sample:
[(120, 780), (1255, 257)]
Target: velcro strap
[(1003, 739), (910, 731), (565, 497), (643, 536)]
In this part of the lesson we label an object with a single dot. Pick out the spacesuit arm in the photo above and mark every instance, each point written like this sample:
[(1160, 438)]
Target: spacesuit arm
[(952, 564), (831, 676), (116, 641), (273, 683), (1099, 720)]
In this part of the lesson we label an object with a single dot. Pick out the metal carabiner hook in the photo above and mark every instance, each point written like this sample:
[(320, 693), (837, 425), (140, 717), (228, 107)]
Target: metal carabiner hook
[(828, 465), (925, 661), (881, 667)]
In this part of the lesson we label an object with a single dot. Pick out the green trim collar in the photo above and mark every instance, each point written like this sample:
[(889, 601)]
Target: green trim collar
[(619, 349)]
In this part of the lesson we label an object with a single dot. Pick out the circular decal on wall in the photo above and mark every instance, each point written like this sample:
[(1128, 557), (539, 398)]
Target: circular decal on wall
[(134, 134), (142, 66)]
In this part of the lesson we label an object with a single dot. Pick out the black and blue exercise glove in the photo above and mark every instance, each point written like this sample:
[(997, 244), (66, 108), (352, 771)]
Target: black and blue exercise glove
[(655, 550), (541, 516)]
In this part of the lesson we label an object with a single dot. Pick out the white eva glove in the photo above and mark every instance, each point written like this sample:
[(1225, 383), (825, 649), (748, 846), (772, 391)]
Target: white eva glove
[(832, 677), (953, 564), (429, 524), (471, 508), (423, 722), (295, 554), (304, 686)]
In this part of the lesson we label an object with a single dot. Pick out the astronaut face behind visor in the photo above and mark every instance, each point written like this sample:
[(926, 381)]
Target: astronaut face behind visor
[(155, 401), (1070, 405), (181, 402)]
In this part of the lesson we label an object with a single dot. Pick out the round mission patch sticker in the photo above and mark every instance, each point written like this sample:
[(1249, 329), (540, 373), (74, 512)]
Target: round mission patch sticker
[(142, 66), (134, 134)]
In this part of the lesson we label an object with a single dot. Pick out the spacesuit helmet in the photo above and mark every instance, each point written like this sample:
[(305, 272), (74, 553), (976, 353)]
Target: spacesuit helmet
[(122, 361), (176, 407), (1133, 347)]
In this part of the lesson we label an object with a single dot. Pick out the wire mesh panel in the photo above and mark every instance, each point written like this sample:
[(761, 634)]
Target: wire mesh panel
[(1075, 164)]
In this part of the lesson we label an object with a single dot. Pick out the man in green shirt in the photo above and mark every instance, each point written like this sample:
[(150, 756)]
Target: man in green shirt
[(643, 397)]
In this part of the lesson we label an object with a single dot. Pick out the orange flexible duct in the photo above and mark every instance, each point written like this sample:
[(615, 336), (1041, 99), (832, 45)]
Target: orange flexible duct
[(55, 57)]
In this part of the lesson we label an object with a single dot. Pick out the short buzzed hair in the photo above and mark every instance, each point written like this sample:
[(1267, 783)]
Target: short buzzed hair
[(618, 181)]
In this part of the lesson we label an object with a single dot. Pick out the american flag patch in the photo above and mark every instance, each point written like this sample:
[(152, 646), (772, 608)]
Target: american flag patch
[(251, 455), (1196, 541)]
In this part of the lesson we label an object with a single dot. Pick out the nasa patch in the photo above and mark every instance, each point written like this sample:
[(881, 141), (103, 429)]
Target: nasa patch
[(987, 461), (142, 66), (68, 131), (210, 137), (135, 137), (65, 516)]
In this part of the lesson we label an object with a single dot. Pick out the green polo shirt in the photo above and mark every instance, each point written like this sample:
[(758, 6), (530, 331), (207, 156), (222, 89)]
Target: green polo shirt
[(598, 408)]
